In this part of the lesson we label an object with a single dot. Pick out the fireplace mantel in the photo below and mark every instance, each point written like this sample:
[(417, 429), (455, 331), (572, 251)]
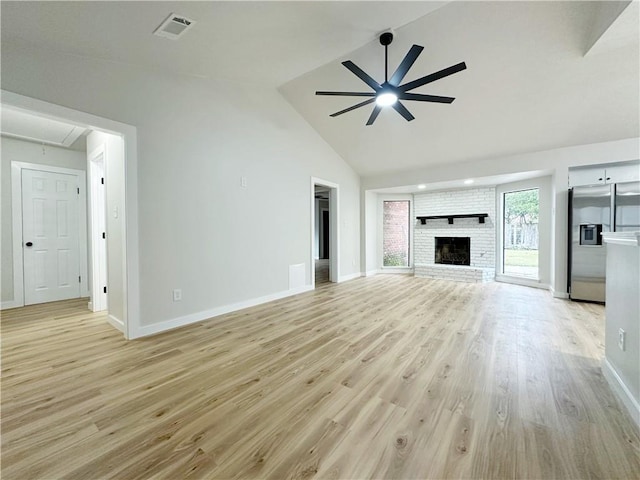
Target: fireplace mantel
[(479, 216)]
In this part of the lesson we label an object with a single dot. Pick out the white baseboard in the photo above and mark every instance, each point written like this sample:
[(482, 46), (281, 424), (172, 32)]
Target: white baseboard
[(10, 304), (621, 390), (525, 282), (345, 278), (115, 322), (556, 294), (399, 270), (146, 330)]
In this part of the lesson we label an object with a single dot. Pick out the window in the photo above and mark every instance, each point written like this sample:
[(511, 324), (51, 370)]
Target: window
[(520, 227), (395, 233)]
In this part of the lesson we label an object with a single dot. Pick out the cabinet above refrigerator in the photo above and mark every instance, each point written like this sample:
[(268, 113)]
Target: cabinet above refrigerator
[(619, 172)]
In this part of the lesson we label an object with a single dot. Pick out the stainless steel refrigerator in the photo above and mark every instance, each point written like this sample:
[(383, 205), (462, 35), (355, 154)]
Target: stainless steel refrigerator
[(594, 210)]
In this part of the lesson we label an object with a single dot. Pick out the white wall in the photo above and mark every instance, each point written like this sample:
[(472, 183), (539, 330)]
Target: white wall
[(369, 227), (622, 367), (553, 162), (199, 230), (545, 219), (115, 196), (21, 151)]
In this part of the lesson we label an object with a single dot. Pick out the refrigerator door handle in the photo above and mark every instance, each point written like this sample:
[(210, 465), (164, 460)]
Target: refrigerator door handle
[(613, 207)]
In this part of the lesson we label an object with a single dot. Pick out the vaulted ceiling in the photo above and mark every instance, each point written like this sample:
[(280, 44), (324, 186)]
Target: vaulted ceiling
[(528, 87), (540, 75)]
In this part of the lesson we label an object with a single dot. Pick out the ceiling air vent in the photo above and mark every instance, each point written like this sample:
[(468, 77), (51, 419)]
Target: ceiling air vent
[(174, 26)]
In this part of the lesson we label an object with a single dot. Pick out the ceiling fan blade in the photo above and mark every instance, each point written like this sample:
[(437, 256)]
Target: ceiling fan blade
[(358, 72), (405, 65), (348, 94), (361, 104), (433, 77), (418, 97), (402, 110), (374, 114)]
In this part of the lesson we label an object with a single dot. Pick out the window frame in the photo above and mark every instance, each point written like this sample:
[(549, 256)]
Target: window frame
[(382, 198)]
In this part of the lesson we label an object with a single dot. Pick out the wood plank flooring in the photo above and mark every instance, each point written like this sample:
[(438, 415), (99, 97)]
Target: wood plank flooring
[(379, 377)]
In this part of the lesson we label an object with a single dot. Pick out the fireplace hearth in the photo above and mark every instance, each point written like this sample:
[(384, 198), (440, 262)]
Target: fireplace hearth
[(453, 250)]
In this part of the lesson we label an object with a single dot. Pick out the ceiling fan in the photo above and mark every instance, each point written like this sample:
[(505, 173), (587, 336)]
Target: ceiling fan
[(390, 92)]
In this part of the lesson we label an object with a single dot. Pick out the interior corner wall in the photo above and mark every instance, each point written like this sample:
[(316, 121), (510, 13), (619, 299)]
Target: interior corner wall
[(13, 149), (115, 217), (370, 237), (200, 230)]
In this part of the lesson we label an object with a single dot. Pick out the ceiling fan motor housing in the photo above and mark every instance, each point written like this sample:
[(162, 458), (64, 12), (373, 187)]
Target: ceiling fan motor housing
[(386, 38)]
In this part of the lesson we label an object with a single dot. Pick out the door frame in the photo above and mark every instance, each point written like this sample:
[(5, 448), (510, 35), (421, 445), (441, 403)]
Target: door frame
[(16, 211), (129, 203), (334, 234), (96, 169)]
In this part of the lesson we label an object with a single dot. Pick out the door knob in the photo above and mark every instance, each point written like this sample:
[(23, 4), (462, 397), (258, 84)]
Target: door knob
[(29, 244)]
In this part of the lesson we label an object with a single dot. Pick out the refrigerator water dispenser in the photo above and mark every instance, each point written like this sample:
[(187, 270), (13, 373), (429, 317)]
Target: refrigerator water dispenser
[(591, 234)]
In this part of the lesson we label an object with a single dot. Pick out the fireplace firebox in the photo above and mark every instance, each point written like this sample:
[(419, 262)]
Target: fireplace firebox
[(453, 250)]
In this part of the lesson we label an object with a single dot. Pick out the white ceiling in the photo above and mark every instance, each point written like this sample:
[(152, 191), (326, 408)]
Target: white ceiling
[(528, 85), (266, 42)]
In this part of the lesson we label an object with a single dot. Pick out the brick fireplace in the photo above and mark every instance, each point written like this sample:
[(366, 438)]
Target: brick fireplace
[(456, 235)]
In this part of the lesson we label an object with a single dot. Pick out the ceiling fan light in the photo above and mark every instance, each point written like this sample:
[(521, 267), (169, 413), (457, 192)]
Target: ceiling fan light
[(386, 99)]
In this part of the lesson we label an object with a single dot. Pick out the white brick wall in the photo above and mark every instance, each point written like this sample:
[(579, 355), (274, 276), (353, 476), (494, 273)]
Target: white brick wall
[(483, 235)]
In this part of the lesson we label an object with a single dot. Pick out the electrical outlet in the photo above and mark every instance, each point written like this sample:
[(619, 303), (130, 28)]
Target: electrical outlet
[(243, 181), (621, 339), (177, 295)]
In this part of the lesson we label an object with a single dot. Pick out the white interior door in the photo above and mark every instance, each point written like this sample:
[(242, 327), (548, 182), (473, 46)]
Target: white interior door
[(50, 240)]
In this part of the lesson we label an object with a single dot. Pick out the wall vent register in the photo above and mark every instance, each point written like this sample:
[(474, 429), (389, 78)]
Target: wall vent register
[(173, 27)]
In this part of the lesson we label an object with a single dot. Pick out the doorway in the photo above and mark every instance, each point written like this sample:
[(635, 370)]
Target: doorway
[(521, 209), (322, 234), (121, 224), (324, 214)]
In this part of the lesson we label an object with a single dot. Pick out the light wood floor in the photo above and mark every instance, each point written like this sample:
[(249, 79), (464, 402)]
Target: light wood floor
[(380, 377), (322, 271)]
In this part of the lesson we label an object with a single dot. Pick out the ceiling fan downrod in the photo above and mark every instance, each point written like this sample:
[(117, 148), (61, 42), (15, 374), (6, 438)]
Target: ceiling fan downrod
[(385, 39)]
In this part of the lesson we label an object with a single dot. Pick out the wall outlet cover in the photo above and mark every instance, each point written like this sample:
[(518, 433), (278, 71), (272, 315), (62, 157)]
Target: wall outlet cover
[(621, 339)]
